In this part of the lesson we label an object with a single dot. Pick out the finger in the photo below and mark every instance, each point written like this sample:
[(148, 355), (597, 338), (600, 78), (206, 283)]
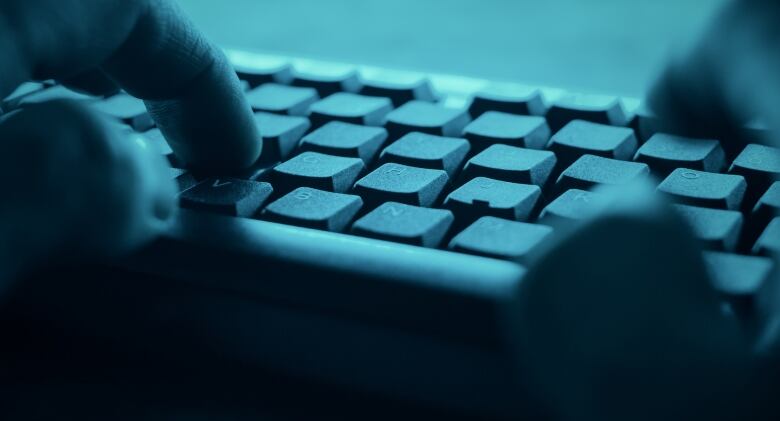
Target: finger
[(151, 50), (93, 82), (76, 186)]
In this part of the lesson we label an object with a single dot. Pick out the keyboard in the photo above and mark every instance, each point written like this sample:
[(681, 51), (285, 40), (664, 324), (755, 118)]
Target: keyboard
[(386, 225)]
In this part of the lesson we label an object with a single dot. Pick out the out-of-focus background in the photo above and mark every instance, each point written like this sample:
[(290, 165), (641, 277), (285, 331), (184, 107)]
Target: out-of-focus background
[(606, 46)]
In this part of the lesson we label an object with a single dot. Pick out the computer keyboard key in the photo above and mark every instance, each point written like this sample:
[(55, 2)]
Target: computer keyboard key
[(508, 99), (664, 153), (314, 208), (401, 183), (738, 278), (346, 139), (487, 197), (399, 87), (769, 241), (427, 151), (495, 127), (706, 189), (717, 229), (594, 108), (767, 208), (350, 108), (426, 117), (591, 170), (760, 165), (646, 123), (264, 70), (281, 134), (572, 205), (316, 170), (126, 109), (227, 196), (327, 79), (508, 163), (405, 224), (282, 99), (582, 137), (500, 238), (184, 179)]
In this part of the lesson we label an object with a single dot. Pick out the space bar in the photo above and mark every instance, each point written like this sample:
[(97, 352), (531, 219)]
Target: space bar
[(434, 292)]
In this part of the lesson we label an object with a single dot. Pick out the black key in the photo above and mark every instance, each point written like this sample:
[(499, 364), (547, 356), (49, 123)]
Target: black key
[(496, 237), (400, 87), (183, 178), (516, 130), (573, 205), (760, 165), (509, 99), (428, 151), (738, 278), (350, 108), (128, 110), (769, 242), (281, 134), (401, 183), (405, 224), (56, 92), (507, 163), (314, 208), (262, 70), (227, 196), (706, 189), (664, 153), (582, 137), (594, 108), (591, 170), (420, 116), (316, 170), (282, 99), (346, 139), (487, 197), (327, 79), (718, 229)]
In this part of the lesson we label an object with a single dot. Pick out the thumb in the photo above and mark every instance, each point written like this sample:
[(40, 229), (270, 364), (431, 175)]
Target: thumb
[(76, 186)]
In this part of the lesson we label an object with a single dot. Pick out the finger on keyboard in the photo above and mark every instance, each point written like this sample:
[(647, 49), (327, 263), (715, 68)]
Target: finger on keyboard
[(426, 117), (280, 133), (508, 163), (508, 99), (717, 229), (487, 197), (316, 170), (399, 87), (314, 208), (591, 170), (126, 109), (494, 127), (227, 196), (699, 188), (501, 238), (346, 139), (405, 223), (282, 99), (427, 151), (738, 279), (582, 137), (664, 153), (350, 108), (593, 108), (401, 183), (326, 79)]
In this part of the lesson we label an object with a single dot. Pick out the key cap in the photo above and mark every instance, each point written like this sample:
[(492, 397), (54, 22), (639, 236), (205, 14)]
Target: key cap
[(738, 278), (500, 238), (227, 196), (281, 99), (516, 130), (405, 224), (314, 208), (264, 70), (767, 208), (594, 108), (316, 170), (760, 165), (350, 108), (420, 116), (705, 189), (402, 183), (508, 163), (769, 242), (56, 92), (281, 134), (400, 87), (346, 139), (183, 178), (127, 109), (427, 151), (591, 170), (572, 205), (646, 123), (581, 137), (664, 153), (487, 197), (511, 99), (326, 78), (717, 229)]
